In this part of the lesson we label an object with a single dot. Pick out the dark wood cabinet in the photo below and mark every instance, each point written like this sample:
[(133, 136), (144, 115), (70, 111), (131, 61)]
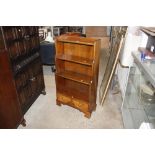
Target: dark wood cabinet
[(21, 73), (77, 65), (10, 112)]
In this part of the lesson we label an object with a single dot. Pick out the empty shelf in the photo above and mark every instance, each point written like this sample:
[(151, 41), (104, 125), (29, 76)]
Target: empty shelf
[(75, 59), (76, 77)]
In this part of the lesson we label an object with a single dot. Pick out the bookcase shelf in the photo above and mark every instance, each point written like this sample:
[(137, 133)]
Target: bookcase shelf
[(75, 40), (75, 59), (77, 65), (76, 77), (73, 89)]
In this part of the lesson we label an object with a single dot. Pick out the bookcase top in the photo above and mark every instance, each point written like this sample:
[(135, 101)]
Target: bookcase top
[(78, 40)]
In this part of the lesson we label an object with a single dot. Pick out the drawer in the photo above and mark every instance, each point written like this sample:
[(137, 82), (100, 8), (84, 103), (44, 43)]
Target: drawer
[(71, 101), (63, 98), (81, 105)]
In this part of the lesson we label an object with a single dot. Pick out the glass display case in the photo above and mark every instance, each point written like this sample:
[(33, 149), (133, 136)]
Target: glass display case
[(138, 107)]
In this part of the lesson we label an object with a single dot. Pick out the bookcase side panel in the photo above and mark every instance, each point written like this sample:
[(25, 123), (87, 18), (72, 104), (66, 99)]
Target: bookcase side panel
[(80, 50)]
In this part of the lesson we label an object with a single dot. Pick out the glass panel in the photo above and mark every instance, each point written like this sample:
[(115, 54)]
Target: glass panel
[(127, 118), (131, 96), (139, 102), (139, 117)]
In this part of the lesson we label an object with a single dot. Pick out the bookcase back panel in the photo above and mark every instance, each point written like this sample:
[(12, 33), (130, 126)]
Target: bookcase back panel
[(78, 68), (72, 89), (85, 51), (73, 67)]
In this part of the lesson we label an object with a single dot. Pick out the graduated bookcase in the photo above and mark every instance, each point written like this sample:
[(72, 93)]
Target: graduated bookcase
[(77, 66)]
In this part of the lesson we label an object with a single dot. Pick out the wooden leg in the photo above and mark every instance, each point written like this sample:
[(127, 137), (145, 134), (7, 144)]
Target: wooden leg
[(87, 114), (92, 108), (95, 108), (23, 123), (43, 92), (58, 103), (53, 68)]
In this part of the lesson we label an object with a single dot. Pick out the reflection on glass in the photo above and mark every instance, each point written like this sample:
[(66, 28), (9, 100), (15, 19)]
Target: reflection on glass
[(139, 99)]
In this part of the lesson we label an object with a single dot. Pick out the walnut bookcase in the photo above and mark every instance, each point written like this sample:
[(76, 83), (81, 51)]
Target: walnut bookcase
[(77, 66)]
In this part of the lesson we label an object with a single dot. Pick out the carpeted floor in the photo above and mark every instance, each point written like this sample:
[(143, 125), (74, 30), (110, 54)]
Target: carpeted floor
[(45, 114)]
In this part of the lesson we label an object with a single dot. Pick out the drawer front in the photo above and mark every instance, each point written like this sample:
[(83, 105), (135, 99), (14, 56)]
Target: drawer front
[(63, 98), (81, 105)]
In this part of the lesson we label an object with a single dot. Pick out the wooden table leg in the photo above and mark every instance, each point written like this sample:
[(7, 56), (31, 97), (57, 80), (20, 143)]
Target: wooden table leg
[(58, 103)]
